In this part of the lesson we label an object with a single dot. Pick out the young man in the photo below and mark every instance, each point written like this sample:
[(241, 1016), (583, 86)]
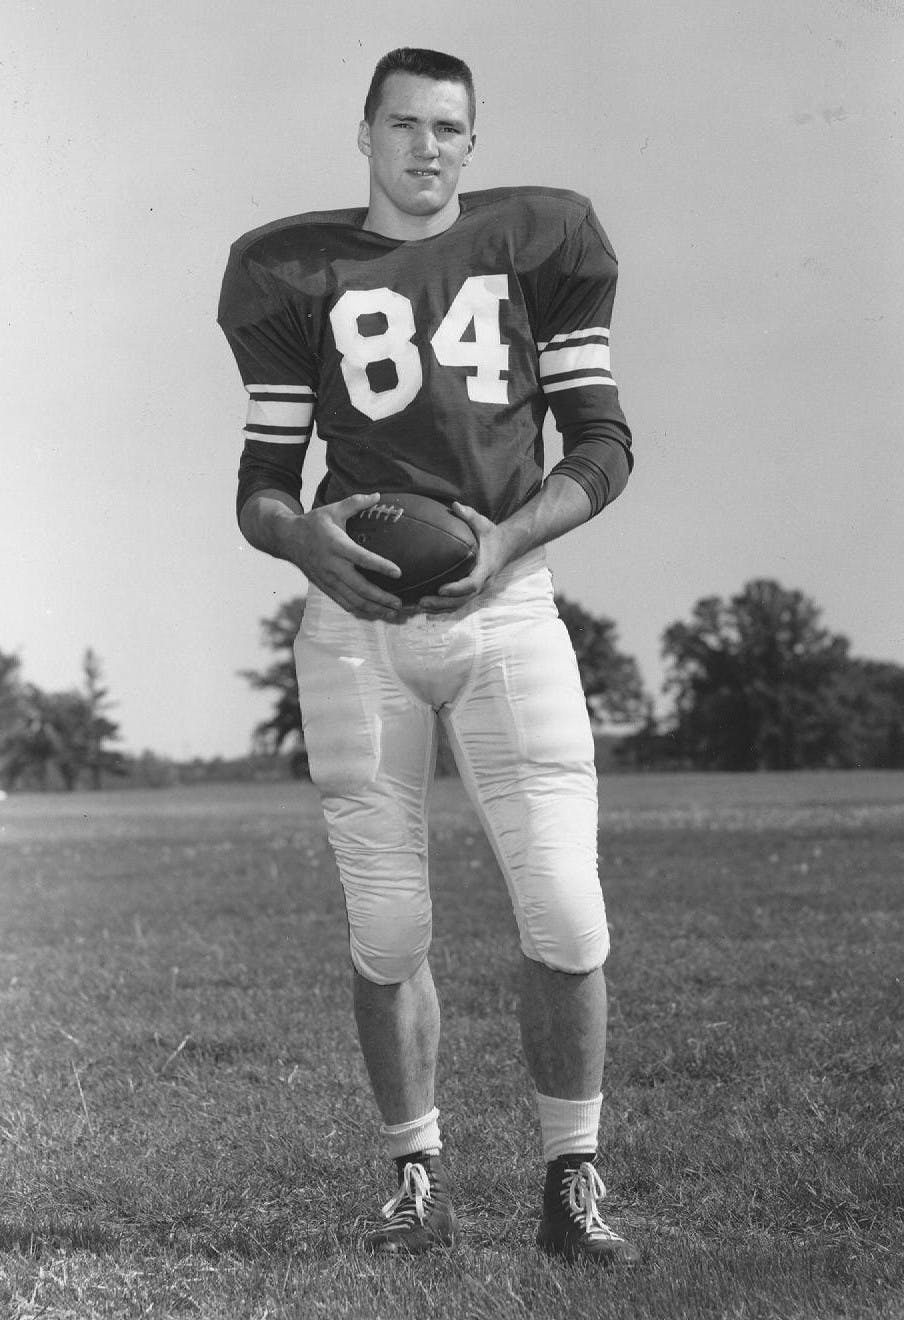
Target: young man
[(427, 336)]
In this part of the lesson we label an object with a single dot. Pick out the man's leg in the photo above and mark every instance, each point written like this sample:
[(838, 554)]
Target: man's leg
[(398, 1027), (523, 741), (563, 1030), (371, 745)]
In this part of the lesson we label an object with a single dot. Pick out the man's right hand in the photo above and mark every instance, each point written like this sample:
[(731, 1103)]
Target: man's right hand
[(317, 543)]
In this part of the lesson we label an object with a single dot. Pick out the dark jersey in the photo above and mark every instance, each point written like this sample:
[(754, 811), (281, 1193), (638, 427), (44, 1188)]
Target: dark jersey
[(429, 365)]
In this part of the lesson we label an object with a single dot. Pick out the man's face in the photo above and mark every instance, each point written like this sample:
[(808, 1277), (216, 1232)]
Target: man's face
[(419, 139)]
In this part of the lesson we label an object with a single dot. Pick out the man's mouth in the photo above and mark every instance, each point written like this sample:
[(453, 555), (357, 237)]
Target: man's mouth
[(424, 174)]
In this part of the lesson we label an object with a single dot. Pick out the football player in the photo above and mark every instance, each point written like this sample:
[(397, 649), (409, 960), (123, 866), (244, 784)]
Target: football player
[(426, 335)]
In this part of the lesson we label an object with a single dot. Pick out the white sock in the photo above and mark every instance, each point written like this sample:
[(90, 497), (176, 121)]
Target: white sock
[(568, 1127), (415, 1135)]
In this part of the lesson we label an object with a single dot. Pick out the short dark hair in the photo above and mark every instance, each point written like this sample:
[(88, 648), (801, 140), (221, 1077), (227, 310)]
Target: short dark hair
[(424, 64)]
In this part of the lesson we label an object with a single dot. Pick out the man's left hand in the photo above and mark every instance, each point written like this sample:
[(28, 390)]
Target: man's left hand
[(492, 555)]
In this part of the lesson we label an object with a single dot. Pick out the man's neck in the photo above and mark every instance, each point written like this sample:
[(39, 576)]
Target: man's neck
[(396, 224)]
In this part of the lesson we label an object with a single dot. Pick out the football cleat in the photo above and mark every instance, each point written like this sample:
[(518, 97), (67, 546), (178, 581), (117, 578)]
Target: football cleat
[(571, 1226), (420, 1215)]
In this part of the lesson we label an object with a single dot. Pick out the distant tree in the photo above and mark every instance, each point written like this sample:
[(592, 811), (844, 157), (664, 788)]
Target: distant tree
[(100, 730), (10, 688), (51, 737), (757, 682), (284, 723), (867, 697), (611, 679), (13, 715), (152, 771), (61, 733), (64, 726), (650, 747)]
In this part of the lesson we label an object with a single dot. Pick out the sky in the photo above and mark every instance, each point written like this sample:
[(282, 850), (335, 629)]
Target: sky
[(747, 162)]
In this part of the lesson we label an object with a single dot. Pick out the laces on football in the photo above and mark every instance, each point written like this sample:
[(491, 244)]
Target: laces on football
[(585, 1189), (408, 1202)]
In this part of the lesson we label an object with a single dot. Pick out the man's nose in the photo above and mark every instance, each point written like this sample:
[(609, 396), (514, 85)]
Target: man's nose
[(426, 143)]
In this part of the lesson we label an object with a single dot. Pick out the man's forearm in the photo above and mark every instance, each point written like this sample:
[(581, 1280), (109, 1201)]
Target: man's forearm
[(558, 507), (269, 521)]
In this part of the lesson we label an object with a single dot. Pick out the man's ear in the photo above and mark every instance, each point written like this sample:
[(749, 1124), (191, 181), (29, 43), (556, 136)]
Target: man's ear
[(364, 138), (470, 152)]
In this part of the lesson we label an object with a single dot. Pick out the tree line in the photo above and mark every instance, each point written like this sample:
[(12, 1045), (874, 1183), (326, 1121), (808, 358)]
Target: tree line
[(759, 683), (754, 682), (50, 738), (66, 740)]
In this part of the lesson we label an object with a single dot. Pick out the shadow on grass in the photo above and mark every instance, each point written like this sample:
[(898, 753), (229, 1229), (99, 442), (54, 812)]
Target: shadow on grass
[(49, 1235), (52, 1234)]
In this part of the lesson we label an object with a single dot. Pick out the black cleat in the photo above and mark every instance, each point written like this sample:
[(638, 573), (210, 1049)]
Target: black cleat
[(571, 1226), (420, 1215)]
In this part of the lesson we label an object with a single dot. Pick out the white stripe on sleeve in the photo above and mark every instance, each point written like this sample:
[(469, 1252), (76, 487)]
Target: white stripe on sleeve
[(556, 361), (280, 414), (593, 331), (577, 382)]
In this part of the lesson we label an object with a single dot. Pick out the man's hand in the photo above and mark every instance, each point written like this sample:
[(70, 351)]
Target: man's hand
[(331, 559), (560, 505), (317, 543), (493, 553)]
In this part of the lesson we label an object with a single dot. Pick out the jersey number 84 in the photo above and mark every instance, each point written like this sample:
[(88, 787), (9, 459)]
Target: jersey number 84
[(477, 302)]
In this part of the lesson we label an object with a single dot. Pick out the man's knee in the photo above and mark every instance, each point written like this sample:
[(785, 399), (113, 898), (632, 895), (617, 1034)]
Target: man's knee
[(387, 903), (568, 941), (390, 951)]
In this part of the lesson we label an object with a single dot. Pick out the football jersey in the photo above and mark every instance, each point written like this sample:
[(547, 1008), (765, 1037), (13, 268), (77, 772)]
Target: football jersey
[(429, 365)]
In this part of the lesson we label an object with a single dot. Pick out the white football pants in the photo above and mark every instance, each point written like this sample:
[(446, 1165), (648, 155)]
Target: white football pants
[(501, 674)]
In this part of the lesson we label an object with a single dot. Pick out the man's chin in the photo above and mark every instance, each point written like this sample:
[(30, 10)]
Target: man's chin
[(426, 203)]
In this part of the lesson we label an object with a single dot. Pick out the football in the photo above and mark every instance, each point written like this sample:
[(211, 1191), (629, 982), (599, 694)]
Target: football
[(422, 536)]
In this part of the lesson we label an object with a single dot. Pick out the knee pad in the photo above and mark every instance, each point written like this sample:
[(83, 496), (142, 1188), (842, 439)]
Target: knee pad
[(570, 937), (390, 960), (390, 922)]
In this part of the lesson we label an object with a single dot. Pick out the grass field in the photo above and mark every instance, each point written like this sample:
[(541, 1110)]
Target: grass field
[(186, 1128)]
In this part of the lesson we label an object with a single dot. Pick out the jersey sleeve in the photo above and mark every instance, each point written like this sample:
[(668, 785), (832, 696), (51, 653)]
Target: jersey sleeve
[(279, 374), (577, 292)]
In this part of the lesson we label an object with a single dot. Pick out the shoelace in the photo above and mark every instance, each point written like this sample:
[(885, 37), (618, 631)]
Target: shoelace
[(415, 1186), (585, 1190)]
